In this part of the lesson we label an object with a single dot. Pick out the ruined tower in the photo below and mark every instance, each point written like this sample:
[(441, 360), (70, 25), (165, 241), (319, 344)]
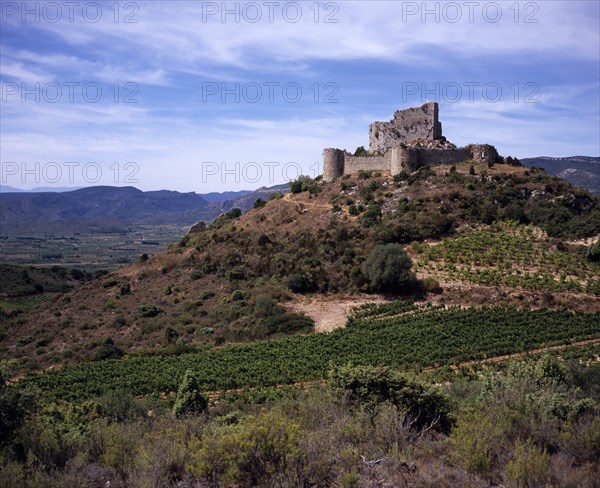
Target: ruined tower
[(407, 125)]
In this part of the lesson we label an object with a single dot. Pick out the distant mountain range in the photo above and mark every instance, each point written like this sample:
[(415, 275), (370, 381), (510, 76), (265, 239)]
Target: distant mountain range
[(582, 171), (114, 209), (40, 189)]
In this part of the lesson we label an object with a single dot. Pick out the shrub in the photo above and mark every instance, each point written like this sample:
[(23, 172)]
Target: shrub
[(361, 151), (249, 453), (431, 285), (171, 334), (353, 210), (387, 268), (276, 195), (594, 252), (144, 257), (236, 273), (109, 283), (207, 294), (237, 295), (472, 170), (121, 405), (189, 400), (147, 310), (299, 283), (530, 466), (234, 213), (371, 216), (287, 323), (125, 289), (108, 350), (259, 203), (119, 321), (296, 186), (372, 386)]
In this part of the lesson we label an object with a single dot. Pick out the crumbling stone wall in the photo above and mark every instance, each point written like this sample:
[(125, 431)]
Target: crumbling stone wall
[(402, 145), (407, 125), (353, 164)]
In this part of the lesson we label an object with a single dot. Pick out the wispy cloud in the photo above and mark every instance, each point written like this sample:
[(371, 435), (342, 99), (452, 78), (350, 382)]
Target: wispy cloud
[(372, 49)]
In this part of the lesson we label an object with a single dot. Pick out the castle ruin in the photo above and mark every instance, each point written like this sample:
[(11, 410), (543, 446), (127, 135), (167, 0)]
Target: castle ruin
[(413, 138)]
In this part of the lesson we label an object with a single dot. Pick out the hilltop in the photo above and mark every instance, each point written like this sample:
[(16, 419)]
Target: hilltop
[(255, 276)]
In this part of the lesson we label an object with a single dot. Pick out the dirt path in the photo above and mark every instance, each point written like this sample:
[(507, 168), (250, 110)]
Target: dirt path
[(332, 314), (517, 355)]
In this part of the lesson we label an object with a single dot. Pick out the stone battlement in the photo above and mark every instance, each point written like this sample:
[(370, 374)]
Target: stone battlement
[(413, 138)]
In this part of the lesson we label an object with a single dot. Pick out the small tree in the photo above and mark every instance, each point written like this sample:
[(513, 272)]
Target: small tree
[(259, 203), (296, 186), (371, 386), (387, 268), (190, 400), (472, 170)]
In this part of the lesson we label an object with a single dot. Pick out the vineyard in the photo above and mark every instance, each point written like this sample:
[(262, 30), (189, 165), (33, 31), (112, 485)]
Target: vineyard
[(376, 335), (25, 303), (512, 256)]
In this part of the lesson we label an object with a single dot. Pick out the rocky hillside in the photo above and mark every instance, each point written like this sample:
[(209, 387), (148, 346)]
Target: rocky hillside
[(581, 171), (476, 235)]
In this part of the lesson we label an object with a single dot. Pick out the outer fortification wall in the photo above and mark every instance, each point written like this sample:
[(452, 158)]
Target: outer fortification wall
[(353, 164), (403, 158)]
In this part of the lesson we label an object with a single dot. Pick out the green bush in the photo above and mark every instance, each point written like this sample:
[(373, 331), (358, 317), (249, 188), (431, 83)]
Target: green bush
[(301, 283), (529, 466), (259, 203), (287, 323), (189, 400), (361, 151), (431, 285), (594, 252), (387, 268), (119, 321), (372, 386), (125, 289), (108, 350), (236, 273), (147, 310), (171, 334), (371, 216), (296, 186), (237, 295)]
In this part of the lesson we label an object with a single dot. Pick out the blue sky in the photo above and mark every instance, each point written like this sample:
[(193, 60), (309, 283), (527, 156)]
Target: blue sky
[(166, 94)]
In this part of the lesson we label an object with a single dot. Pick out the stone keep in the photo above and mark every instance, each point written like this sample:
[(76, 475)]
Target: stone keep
[(407, 125)]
